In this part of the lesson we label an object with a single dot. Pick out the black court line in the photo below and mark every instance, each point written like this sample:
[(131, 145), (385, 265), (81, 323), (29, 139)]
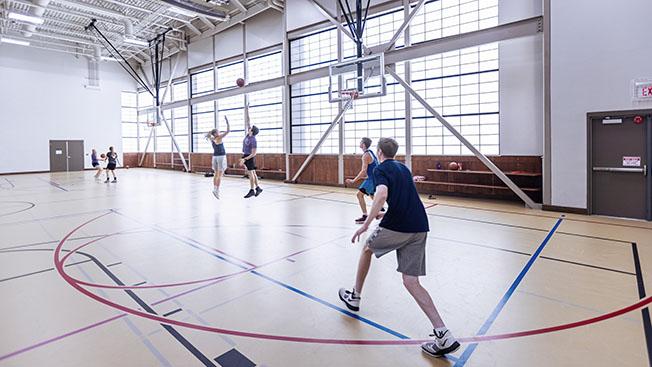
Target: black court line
[(541, 257), (31, 205), (172, 331), (234, 358), (70, 239), (39, 271), (52, 183), (56, 217), (545, 216), (10, 183), (171, 312), (647, 325), (531, 228), (191, 348), (114, 264), (140, 283)]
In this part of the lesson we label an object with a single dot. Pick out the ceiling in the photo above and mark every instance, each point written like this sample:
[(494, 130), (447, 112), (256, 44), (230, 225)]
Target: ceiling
[(63, 22)]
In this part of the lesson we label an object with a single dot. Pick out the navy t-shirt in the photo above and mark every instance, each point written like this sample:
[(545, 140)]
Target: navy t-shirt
[(406, 212)]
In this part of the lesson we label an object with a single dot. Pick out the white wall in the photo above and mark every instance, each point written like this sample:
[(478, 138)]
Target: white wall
[(229, 43), (42, 98), (264, 30), (597, 48), (521, 83)]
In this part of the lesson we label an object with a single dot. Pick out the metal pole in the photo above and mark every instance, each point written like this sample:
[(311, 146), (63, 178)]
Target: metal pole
[(408, 100), (341, 146), (517, 190), (323, 138), (331, 18), (174, 141), (140, 164), (403, 26)]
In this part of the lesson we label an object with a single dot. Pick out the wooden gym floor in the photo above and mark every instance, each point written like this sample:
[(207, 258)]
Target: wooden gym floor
[(259, 279)]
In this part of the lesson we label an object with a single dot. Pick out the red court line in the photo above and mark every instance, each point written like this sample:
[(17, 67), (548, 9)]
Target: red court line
[(61, 270)]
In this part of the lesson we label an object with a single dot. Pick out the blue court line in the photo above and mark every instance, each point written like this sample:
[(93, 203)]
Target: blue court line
[(189, 242), (503, 301)]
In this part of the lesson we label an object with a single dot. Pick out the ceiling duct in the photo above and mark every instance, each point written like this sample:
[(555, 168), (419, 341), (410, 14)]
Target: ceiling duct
[(36, 11)]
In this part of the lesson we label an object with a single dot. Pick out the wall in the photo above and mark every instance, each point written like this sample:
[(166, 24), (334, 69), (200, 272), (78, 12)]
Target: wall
[(42, 97), (597, 48), (521, 83)]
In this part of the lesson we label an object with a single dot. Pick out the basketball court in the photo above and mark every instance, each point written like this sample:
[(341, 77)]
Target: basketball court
[(244, 139)]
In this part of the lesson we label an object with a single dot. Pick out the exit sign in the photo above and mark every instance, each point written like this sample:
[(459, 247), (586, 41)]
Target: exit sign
[(643, 90)]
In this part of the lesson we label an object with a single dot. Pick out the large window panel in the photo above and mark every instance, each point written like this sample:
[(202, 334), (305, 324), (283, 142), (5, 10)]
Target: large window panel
[(233, 109), (202, 82), (266, 112), (378, 117), (203, 121), (227, 75), (312, 113), (378, 30), (313, 51), (180, 91), (265, 67), (463, 86), (129, 125), (443, 18), (180, 127)]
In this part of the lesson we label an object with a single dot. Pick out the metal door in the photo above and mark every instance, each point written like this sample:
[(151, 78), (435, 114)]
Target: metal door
[(58, 156), (75, 150), (619, 164)]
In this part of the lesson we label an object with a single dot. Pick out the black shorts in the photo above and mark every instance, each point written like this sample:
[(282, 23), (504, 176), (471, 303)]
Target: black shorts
[(250, 164), (110, 166), (95, 165)]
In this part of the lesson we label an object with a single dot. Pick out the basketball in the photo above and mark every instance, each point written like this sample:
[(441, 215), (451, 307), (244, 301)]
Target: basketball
[(240, 82), (453, 166), (102, 155)]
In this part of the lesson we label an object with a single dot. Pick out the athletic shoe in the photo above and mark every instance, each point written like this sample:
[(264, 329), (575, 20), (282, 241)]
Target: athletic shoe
[(258, 191), (107, 181), (115, 180), (250, 194), (443, 344), (350, 299), (216, 193), (361, 219)]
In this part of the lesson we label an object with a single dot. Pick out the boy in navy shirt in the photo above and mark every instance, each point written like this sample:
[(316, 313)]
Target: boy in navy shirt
[(404, 229)]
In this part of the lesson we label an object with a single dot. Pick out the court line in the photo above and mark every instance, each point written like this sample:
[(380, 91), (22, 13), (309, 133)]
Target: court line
[(545, 216), (171, 312), (31, 205), (53, 184), (530, 228), (55, 217), (529, 254), (508, 294), (39, 271), (645, 313)]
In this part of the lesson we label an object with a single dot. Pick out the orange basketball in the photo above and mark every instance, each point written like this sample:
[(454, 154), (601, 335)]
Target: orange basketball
[(240, 82), (453, 166)]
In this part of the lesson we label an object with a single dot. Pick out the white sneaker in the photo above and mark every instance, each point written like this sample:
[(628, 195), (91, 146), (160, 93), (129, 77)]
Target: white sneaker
[(444, 343), (216, 193), (350, 298)]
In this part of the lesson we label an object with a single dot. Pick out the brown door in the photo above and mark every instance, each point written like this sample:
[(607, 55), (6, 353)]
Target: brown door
[(619, 167), (75, 155), (58, 156)]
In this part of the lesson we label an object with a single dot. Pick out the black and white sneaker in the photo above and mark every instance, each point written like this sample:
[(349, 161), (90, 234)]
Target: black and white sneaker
[(350, 298), (250, 194), (444, 343), (115, 180), (258, 191), (362, 219)]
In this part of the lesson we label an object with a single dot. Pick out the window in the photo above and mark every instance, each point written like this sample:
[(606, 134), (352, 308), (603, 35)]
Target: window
[(233, 109), (266, 112), (443, 18), (312, 114), (129, 111), (265, 67), (313, 51), (203, 114), (463, 86), (180, 91), (379, 117), (378, 30), (228, 74), (163, 140)]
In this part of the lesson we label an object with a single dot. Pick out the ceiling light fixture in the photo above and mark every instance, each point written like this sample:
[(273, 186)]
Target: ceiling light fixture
[(182, 11), (14, 41), (135, 41), (26, 18)]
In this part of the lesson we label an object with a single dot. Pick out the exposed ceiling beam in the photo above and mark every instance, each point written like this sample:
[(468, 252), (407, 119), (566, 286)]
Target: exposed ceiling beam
[(239, 5), (207, 22), (253, 11)]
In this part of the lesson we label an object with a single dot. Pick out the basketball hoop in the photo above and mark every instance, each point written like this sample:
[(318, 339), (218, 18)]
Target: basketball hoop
[(151, 123)]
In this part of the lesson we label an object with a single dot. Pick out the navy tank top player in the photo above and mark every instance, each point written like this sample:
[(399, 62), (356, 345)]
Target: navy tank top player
[(368, 186)]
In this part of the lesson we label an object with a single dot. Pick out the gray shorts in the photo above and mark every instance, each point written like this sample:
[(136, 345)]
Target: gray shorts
[(410, 249), (219, 163)]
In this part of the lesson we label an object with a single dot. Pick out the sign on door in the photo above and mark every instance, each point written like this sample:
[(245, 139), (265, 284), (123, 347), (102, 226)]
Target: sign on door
[(631, 161)]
